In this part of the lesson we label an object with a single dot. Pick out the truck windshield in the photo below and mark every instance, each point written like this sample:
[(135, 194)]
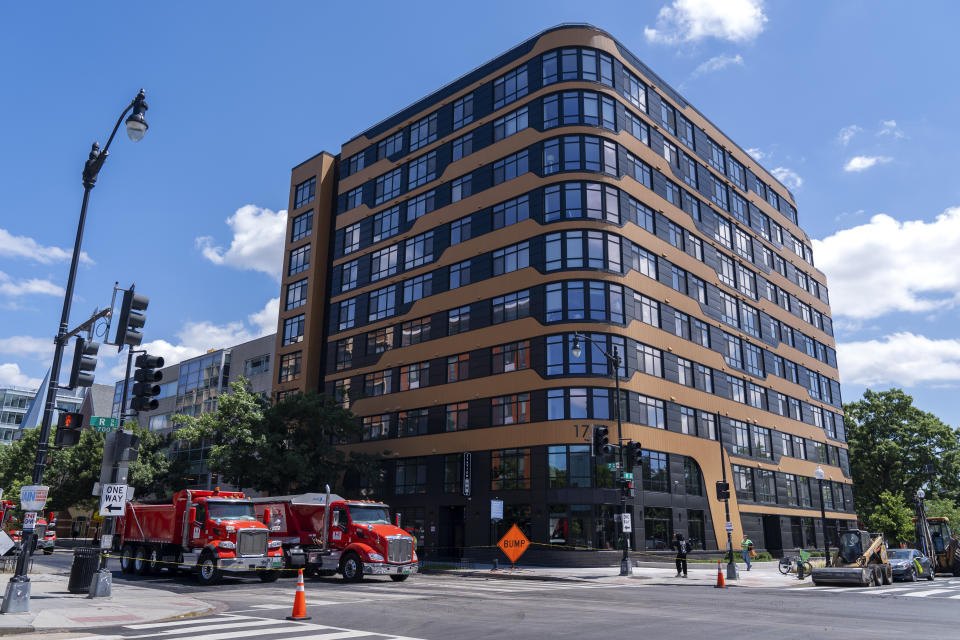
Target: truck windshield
[(369, 515), (230, 511)]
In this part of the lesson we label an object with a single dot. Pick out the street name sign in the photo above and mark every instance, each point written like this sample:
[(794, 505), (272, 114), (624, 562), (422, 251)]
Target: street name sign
[(103, 425), (113, 498), (514, 543), (33, 497), (627, 475)]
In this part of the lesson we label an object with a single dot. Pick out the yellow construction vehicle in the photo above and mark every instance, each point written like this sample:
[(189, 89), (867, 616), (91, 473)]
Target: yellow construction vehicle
[(944, 546), (860, 560)]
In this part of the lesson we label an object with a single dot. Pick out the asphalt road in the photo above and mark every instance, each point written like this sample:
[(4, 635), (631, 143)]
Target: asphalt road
[(443, 606)]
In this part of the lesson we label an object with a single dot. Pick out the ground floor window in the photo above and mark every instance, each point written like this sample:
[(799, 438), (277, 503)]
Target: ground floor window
[(658, 527), (412, 520), (515, 514), (696, 529)]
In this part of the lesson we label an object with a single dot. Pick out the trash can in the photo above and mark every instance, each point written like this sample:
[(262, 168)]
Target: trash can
[(86, 561)]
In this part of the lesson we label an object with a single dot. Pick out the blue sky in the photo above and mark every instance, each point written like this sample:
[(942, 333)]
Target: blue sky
[(853, 104)]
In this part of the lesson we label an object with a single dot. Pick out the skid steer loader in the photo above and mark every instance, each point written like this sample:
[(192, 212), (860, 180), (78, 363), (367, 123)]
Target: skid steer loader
[(860, 560)]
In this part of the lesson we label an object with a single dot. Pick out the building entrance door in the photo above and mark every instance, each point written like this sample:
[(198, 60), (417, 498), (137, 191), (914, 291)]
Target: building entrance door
[(773, 540), (451, 534)]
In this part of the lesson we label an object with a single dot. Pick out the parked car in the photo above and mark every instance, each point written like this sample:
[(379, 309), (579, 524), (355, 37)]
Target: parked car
[(910, 564)]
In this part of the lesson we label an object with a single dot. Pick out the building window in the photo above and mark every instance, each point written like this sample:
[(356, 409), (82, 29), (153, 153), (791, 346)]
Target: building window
[(419, 250), (462, 146), (386, 223), (254, 366), (457, 416), (511, 306), (656, 474), (302, 226), (381, 340), (388, 186), (458, 367), (688, 421), (413, 332), (296, 294), (762, 442), (509, 469), (459, 274), (293, 329), (346, 316), (692, 478), (383, 263), (460, 230), (289, 366), (766, 486), (511, 357), (650, 360), (412, 423), (416, 288), (511, 212), (304, 193), (410, 476), (382, 303), (353, 164), (569, 466), (423, 132), (376, 427), (741, 438), (634, 90), (379, 383), (506, 126), (344, 357), (510, 167), (511, 258), (743, 482), (422, 170), (414, 376), (510, 87), (452, 473), (512, 409), (461, 188), (463, 111), (299, 260), (351, 238), (421, 205), (348, 275), (354, 199), (390, 146), (458, 320)]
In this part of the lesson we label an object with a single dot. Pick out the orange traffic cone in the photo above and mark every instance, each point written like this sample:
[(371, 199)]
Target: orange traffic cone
[(720, 583), (299, 602)]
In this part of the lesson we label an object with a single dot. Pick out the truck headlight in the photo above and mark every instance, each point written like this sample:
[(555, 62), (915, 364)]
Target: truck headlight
[(274, 544), (226, 544), (375, 557), (414, 556)]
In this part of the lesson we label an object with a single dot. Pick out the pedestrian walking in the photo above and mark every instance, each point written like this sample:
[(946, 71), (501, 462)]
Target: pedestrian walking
[(747, 546), (682, 546)]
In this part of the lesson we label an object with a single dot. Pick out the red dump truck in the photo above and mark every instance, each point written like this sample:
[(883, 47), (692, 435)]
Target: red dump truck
[(327, 534), (208, 532)]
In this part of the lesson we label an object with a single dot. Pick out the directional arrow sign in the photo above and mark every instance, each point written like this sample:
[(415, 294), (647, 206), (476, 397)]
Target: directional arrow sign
[(113, 498)]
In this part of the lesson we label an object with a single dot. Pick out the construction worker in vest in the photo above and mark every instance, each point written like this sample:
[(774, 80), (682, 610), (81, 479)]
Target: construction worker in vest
[(747, 546)]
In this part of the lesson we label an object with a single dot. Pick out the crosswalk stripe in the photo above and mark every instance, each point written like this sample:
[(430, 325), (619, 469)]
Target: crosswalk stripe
[(880, 592), (954, 597), (925, 593), (177, 623), (281, 628)]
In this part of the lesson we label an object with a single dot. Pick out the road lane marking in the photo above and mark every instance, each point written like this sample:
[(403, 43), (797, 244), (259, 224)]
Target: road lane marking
[(156, 625), (925, 593)]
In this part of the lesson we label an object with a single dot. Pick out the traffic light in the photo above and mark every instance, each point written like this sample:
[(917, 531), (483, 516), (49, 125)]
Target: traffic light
[(723, 490), (601, 440), (84, 361), (144, 388), (131, 319), (634, 454), (626, 486), (127, 446), (69, 426)]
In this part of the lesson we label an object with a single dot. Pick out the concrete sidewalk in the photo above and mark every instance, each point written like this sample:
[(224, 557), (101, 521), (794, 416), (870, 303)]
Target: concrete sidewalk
[(763, 574), (53, 608)]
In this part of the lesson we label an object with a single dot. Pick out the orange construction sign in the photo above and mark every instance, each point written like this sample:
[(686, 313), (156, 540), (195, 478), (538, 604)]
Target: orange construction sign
[(514, 543)]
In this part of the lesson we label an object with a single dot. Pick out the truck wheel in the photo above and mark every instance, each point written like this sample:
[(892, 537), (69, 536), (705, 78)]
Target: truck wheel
[(126, 558), (887, 573), (268, 576), (141, 565), (399, 578), (352, 568), (209, 572)]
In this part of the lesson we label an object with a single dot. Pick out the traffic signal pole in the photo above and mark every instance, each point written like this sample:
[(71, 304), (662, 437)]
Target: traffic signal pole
[(626, 568)]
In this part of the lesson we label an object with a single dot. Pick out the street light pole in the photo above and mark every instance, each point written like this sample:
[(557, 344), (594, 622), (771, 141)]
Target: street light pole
[(818, 474), (17, 598), (731, 565), (626, 568)]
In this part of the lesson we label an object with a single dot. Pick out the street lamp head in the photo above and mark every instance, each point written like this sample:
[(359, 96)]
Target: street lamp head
[(818, 474), (576, 351), (920, 494), (136, 123)]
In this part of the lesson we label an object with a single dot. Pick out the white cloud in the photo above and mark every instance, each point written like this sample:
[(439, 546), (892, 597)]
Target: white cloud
[(26, 346), (886, 265), (862, 163), (16, 288), (691, 20), (847, 133), (889, 128), (788, 177), (196, 338), (757, 154), (12, 246), (902, 359), (716, 63), (10, 375), (257, 242)]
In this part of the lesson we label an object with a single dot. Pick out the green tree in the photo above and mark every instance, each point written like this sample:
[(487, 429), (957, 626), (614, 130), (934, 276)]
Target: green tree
[(897, 448), (893, 517), (944, 507), (291, 446), (156, 473)]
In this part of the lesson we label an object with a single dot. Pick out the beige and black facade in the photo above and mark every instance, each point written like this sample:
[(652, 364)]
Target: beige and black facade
[(437, 267)]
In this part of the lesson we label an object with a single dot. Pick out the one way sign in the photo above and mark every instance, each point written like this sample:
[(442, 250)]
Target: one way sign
[(113, 497)]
